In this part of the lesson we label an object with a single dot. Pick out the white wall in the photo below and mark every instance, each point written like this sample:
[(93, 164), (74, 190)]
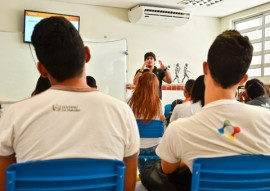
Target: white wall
[(227, 23), (186, 44)]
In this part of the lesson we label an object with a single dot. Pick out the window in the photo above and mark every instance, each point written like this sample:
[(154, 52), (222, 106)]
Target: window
[(257, 28)]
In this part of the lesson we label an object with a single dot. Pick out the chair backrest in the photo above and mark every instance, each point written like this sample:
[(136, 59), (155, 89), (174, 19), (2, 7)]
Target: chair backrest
[(150, 129), (234, 173), (66, 174), (167, 109)]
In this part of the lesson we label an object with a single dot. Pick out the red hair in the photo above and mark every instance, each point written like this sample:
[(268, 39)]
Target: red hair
[(145, 102)]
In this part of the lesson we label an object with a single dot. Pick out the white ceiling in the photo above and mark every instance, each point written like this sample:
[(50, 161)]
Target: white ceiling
[(220, 9)]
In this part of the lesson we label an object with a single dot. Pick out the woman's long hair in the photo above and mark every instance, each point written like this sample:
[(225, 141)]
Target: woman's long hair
[(197, 93), (145, 101)]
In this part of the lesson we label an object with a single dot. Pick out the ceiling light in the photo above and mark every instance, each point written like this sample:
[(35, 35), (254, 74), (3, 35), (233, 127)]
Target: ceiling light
[(200, 2)]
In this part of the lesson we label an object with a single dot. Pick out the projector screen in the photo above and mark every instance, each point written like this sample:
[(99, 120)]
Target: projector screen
[(31, 18)]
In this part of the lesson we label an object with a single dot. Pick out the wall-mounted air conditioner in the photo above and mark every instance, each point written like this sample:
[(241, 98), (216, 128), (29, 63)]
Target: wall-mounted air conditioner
[(158, 16)]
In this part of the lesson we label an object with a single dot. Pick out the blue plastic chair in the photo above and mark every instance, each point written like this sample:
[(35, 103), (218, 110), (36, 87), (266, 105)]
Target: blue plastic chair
[(150, 129), (66, 175), (234, 173), (167, 110)]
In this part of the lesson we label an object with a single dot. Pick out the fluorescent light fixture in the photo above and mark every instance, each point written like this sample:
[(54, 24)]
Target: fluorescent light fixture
[(202, 3)]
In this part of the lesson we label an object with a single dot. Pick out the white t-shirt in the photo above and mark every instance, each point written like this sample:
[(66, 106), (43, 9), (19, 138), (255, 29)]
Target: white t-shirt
[(186, 109), (209, 133), (69, 124)]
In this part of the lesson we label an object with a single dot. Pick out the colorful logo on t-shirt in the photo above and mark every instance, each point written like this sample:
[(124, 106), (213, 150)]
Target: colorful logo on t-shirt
[(234, 129)]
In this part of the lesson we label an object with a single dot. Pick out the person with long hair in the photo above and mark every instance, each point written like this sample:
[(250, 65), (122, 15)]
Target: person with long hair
[(193, 106), (146, 105)]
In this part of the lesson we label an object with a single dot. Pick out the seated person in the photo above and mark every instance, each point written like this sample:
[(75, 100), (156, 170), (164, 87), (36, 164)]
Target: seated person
[(243, 97), (188, 89), (211, 132), (194, 105), (187, 93), (69, 120), (146, 105), (257, 93)]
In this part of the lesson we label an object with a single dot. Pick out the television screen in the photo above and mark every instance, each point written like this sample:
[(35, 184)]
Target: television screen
[(31, 18)]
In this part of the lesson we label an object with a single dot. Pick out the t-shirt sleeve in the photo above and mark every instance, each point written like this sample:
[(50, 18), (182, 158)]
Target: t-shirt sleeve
[(136, 72), (170, 146), (133, 138), (7, 133), (174, 115)]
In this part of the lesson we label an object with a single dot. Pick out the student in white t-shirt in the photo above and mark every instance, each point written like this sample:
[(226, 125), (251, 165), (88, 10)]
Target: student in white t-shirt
[(193, 106), (71, 119), (224, 126), (146, 105)]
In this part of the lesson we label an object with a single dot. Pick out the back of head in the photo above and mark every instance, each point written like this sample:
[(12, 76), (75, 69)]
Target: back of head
[(255, 89), (42, 85), (151, 54), (148, 82), (251, 81), (188, 87), (229, 58), (91, 81), (197, 93), (145, 101), (59, 48)]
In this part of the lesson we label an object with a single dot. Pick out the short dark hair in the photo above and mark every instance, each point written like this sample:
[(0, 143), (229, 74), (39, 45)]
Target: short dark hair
[(59, 48), (151, 54), (91, 81), (255, 88), (229, 58), (251, 81), (197, 93)]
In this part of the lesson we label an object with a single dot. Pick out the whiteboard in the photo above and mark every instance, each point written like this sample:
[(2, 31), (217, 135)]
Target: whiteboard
[(108, 66), (18, 73)]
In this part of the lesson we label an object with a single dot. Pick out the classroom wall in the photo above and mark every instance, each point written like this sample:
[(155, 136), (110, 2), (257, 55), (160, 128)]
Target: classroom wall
[(227, 23), (186, 44)]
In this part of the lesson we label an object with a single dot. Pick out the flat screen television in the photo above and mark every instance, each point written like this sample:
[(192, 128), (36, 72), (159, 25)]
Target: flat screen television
[(31, 18)]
